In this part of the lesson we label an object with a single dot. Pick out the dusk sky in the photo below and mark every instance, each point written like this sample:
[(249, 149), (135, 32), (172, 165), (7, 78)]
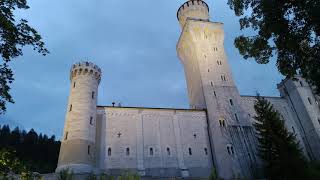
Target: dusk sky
[(133, 42)]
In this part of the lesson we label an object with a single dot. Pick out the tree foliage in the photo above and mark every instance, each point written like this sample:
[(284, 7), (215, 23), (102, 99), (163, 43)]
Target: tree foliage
[(38, 152), (278, 148), (289, 29), (14, 35)]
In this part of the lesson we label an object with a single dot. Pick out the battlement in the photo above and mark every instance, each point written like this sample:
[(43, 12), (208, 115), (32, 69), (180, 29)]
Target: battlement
[(85, 68), (194, 9)]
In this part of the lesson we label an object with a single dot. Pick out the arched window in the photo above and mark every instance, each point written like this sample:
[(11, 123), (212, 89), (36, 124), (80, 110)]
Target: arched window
[(190, 151), (168, 151), (128, 151), (109, 151), (211, 83), (205, 151), (151, 151)]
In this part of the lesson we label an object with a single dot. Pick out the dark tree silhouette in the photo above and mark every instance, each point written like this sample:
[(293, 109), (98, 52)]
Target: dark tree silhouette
[(38, 152)]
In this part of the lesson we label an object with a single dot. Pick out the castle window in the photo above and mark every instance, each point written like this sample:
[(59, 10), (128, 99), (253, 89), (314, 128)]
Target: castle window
[(208, 70), (319, 120), (151, 151), (92, 95), (190, 151), (219, 62), (236, 116), (70, 108), (205, 151), (231, 102), (109, 151), (309, 101), (66, 136), (91, 120), (74, 84), (230, 149), (214, 93), (222, 122), (89, 148), (128, 151), (168, 151), (294, 131), (211, 83)]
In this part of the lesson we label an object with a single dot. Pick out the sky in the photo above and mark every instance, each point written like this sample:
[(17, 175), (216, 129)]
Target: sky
[(133, 42)]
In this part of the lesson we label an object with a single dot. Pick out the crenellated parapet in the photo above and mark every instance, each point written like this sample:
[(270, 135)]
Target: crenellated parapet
[(193, 9), (85, 68)]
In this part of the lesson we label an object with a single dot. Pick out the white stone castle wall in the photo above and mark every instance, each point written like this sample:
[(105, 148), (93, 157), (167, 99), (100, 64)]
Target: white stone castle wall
[(159, 129)]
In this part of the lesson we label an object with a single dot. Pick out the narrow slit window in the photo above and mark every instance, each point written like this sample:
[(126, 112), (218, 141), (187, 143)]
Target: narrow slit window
[(236, 116), (231, 102), (214, 93), (109, 151), (294, 131), (205, 151), (70, 108), (319, 120), (232, 152), (74, 84), (228, 149), (66, 136), (211, 83), (128, 151), (309, 99), (151, 151), (208, 70), (91, 120), (89, 148), (168, 151), (92, 95), (190, 151)]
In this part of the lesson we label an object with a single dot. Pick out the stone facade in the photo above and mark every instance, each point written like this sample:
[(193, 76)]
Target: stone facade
[(215, 132)]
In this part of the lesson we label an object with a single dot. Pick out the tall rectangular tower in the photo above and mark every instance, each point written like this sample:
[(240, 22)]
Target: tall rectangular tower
[(211, 87)]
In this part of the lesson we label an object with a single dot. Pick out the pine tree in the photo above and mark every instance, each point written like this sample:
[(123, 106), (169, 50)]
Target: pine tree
[(278, 148)]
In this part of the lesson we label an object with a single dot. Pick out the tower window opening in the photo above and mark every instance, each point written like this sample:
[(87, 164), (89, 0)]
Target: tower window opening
[(228, 149), (294, 131), (92, 95), (66, 136), (74, 84), (128, 151), (222, 123), (70, 108), (109, 151), (211, 83), (195, 136), (232, 150), (151, 151), (309, 101), (208, 70), (319, 120), (89, 148), (190, 151), (301, 84), (236, 116), (91, 120), (168, 151), (231, 102), (205, 151), (214, 93)]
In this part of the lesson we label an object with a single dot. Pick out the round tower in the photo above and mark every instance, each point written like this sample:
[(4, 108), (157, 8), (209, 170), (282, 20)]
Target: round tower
[(193, 9), (77, 152)]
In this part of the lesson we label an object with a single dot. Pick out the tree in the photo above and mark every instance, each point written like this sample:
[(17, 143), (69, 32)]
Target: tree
[(278, 148), (14, 35), (289, 29)]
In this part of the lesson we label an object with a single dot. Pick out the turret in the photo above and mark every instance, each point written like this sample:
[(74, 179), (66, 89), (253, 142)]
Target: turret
[(77, 152), (193, 9)]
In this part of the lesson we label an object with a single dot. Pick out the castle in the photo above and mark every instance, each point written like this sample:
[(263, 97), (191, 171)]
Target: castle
[(215, 132)]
